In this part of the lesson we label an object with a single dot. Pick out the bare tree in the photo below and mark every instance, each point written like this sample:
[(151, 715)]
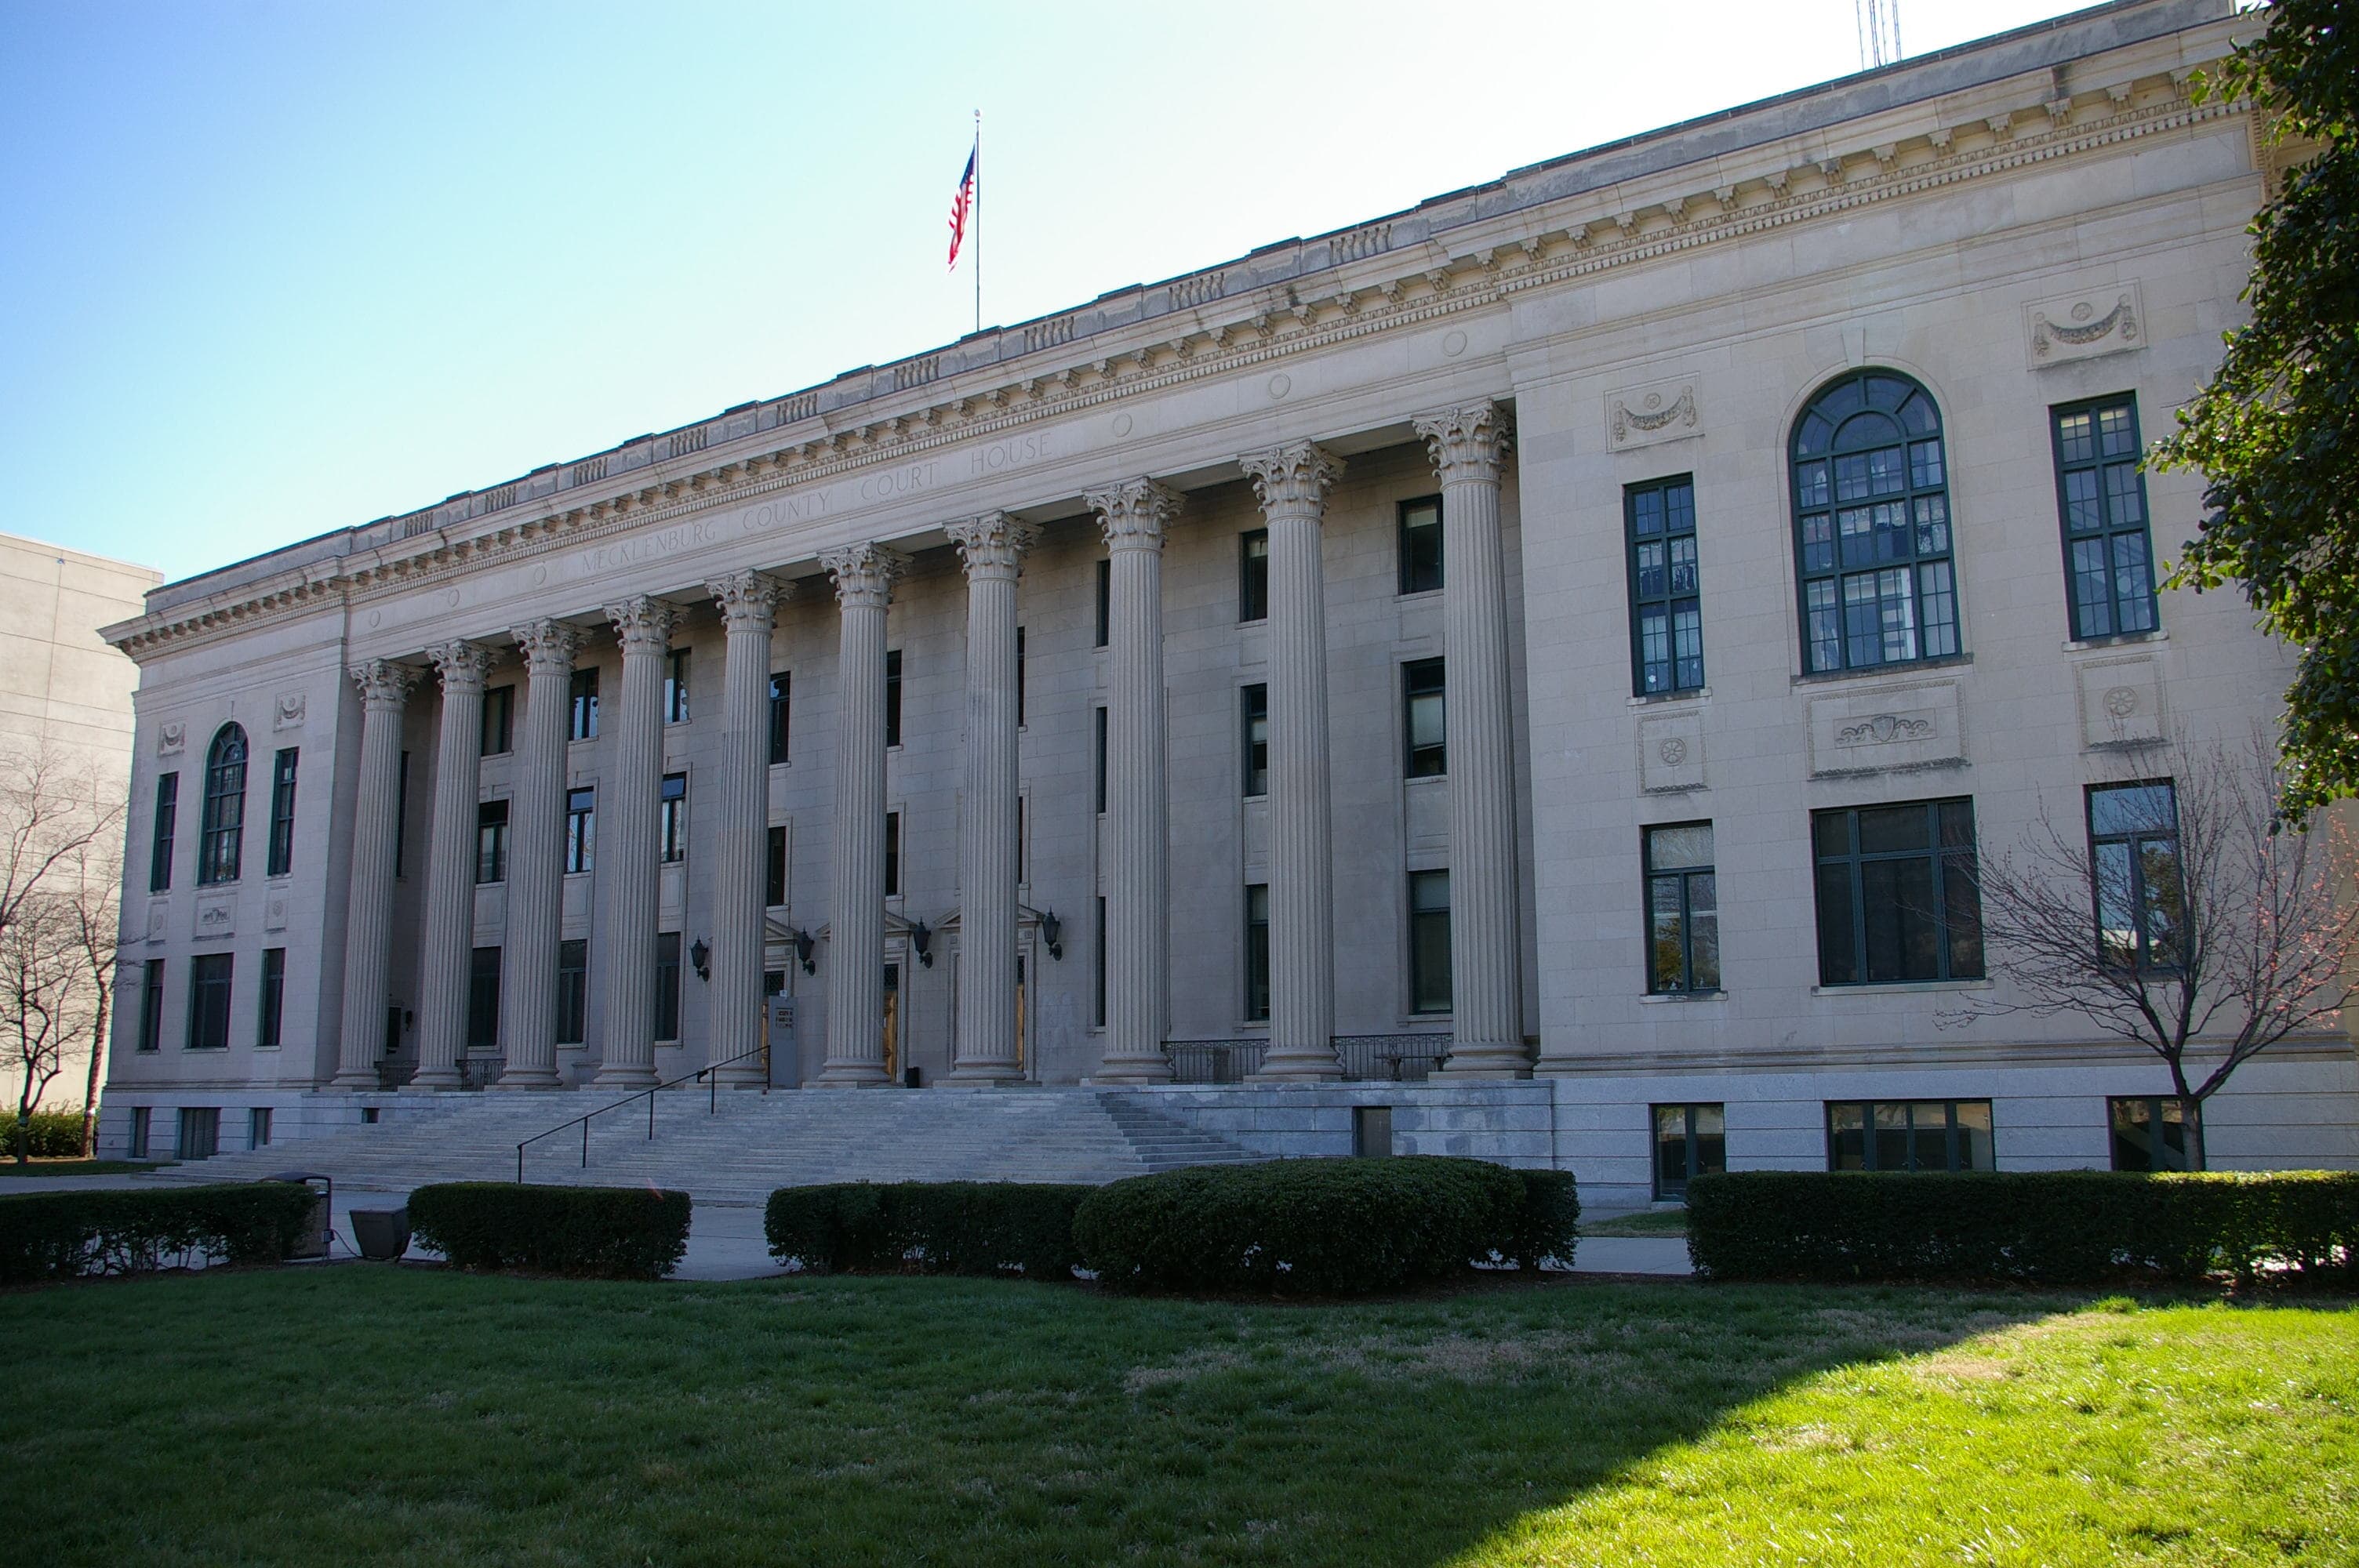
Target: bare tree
[(51, 815), (46, 1012), (95, 912), (2174, 909), (59, 887)]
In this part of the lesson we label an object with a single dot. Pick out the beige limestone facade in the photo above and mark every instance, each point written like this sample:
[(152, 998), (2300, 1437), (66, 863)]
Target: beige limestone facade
[(1096, 700)]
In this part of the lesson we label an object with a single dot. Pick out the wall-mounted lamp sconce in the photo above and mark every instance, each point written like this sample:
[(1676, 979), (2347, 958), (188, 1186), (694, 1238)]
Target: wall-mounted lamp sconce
[(802, 941), (1052, 929), (921, 942), (701, 956)]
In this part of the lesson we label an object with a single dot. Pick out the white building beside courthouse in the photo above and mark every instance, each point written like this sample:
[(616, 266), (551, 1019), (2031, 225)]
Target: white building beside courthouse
[(1572, 630)]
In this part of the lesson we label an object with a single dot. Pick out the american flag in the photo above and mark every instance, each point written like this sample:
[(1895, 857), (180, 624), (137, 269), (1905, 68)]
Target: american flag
[(960, 205)]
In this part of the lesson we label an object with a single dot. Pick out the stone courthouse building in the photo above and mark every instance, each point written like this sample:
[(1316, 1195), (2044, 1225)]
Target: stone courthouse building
[(1541, 665)]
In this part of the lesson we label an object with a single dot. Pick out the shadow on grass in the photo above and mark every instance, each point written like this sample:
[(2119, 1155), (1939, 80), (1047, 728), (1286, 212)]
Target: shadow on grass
[(360, 1414)]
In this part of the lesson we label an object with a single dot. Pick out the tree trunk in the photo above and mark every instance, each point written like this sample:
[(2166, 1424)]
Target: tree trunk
[(90, 1081), (2190, 1106)]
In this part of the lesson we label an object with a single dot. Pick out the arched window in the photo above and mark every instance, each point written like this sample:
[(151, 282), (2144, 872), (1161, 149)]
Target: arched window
[(223, 837), (1872, 525)]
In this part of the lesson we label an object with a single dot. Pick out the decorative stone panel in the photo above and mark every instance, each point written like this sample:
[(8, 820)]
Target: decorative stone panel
[(1670, 752), (2105, 320), (287, 711), (216, 916), (1647, 415), (274, 911), (171, 737), (1428, 812), (2121, 702), (159, 910), (1886, 729)]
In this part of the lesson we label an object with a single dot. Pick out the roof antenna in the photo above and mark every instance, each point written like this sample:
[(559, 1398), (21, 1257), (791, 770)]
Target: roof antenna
[(1879, 32)]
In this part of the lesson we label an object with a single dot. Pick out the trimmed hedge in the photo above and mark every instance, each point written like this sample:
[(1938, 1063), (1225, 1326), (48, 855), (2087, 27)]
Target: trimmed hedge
[(2045, 1227), (930, 1228), (1323, 1226), (57, 1135), (62, 1236), (611, 1233)]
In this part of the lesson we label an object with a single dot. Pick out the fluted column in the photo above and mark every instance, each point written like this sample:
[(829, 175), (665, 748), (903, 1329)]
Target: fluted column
[(536, 900), (446, 963), (368, 901), (630, 845), (864, 577), (1485, 943), (993, 547), (1292, 481), (749, 604), (1136, 516)]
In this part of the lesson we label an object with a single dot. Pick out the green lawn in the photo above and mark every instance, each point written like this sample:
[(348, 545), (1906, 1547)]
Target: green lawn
[(78, 1167), (357, 1414), (1641, 1222)]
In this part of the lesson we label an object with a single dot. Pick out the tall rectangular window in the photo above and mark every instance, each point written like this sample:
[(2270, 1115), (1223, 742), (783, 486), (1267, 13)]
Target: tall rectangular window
[(572, 991), (782, 691), (1019, 677), (2133, 864), (1253, 705), (774, 874), (199, 1132), (1896, 893), (1689, 1140), (267, 1026), (1425, 719), (159, 848), (671, 814), (221, 830), (2101, 496), (666, 985), (1682, 910), (141, 1117), (281, 858), (893, 697), (1098, 721), (1665, 615), (1252, 575), (675, 687), (1910, 1135), (1105, 604), (151, 1006), (580, 829), (401, 816), (499, 721), (892, 853), (483, 999), (2150, 1133), (208, 985), (491, 842), (1420, 544), (1257, 950), (1429, 941), (257, 1127), (583, 720), (1098, 1012)]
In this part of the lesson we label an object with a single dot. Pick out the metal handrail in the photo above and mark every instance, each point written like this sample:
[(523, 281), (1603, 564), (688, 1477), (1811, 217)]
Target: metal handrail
[(712, 1069)]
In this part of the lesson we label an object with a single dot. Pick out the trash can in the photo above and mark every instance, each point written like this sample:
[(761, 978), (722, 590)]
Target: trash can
[(382, 1235), (313, 1240)]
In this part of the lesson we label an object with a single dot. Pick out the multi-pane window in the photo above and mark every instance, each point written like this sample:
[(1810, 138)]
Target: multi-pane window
[(499, 721), (1896, 893), (141, 1118), (1019, 677), (1420, 544), (266, 1028), (2149, 1132), (1425, 720), (774, 869), (199, 1132), (1689, 1140), (1682, 910), (151, 1006), (892, 853), (584, 722), (580, 829), (675, 687), (483, 999), (1257, 950), (782, 692), (1098, 758), (222, 837), (2101, 496), (1098, 1013), (1254, 712), (671, 817), (1665, 616), (572, 991), (1429, 941), (666, 985), (281, 858), (1910, 1135), (893, 698), (1872, 525), (257, 1127), (209, 984), (1105, 604), (2134, 865), (1252, 575), (159, 848), (491, 842), (401, 816)]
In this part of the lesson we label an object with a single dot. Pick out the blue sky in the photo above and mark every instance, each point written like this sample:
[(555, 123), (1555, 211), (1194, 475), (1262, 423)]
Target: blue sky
[(271, 269)]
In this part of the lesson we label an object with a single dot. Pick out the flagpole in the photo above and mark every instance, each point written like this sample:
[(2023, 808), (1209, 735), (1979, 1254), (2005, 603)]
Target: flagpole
[(978, 219)]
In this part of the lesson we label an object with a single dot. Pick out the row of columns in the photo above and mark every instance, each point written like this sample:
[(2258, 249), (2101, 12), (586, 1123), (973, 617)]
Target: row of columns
[(1291, 480)]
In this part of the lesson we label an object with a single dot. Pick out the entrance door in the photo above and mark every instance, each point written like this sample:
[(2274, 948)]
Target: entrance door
[(893, 1023)]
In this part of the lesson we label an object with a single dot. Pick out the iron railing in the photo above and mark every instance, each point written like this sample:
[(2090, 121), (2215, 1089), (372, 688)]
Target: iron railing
[(709, 1072), (1365, 1058)]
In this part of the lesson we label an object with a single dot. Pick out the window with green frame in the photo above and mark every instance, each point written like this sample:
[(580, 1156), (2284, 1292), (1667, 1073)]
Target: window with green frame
[(2133, 867), (1683, 909), (1872, 525), (2149, 1132), (1689, 1140), (1896, 899), (1420, 544), (2101, 499), (1665, 616), (1910, 1135)]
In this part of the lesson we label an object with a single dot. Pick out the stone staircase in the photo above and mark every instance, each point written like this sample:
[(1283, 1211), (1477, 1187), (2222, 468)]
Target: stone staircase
[(750, 1144)]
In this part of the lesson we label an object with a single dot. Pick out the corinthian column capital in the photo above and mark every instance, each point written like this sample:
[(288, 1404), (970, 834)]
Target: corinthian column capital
[(749, 601), (1135, 513), (385, 684), (642, 624), (864, 574), (1293, 479), (548, 646), (462, 665), (993, 545), (1466, 442)]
